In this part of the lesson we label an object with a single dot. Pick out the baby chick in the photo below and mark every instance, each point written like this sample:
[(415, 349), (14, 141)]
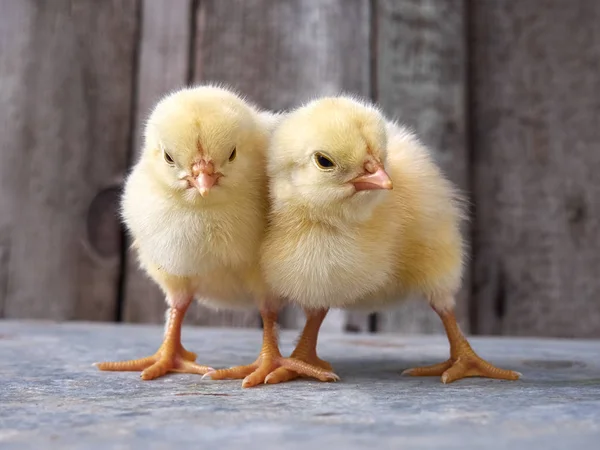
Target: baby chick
[(195, 205), (361, 218)]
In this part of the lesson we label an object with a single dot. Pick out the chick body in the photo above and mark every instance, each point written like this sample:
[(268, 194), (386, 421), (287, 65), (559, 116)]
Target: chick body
[(209, 245), (211, 250), (339, 236), (370, 249), (195, 205)]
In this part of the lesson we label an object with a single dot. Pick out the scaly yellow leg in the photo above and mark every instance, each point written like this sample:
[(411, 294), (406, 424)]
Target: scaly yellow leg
[(270, 359), (170, 357), (306, 349)]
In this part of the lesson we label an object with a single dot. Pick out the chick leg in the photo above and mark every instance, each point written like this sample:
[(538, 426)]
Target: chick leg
[(463, 362), (306, 349), (270, 359), (170, 357)]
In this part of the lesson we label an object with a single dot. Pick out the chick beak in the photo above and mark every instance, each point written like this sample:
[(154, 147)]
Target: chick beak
[(372, 181), (203, 177)]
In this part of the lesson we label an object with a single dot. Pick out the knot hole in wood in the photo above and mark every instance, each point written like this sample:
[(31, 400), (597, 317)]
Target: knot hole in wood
[(104, 229)]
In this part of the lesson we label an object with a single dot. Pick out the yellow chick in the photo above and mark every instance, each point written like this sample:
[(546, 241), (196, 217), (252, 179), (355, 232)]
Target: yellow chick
[(196, 206), (361, 218)]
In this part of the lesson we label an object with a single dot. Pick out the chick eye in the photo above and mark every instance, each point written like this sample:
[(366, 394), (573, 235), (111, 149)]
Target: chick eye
[(323, 162), (168, 159), (233, 154)]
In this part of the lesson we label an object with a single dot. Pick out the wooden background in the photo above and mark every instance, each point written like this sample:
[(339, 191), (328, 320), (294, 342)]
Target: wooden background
[(507, 92)]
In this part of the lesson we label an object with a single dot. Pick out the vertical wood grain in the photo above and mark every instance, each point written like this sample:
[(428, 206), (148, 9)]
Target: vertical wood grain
[(65, 92), (536, 162), (283, 53), (420, 80)]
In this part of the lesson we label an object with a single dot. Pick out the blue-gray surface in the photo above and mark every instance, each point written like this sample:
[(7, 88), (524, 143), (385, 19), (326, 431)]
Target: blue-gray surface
[(51, 396)]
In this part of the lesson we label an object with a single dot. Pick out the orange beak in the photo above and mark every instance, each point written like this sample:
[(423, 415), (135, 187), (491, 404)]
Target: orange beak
[(372, 181), (204, 177)]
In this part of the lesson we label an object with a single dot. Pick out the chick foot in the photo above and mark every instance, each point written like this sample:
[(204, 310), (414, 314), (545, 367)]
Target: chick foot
[(266, 366), (270, 360), (306, 349), (158, 364), (463, 362), (170, 357), (468, 364)]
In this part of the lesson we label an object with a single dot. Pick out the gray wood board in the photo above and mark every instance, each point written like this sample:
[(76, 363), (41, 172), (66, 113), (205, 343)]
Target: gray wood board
[(52, 398), (535, 93), (64, 135)]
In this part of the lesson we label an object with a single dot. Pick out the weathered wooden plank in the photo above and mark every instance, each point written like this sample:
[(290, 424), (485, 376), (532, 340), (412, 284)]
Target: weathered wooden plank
[(163, 66), (420, 80), (283, 53), (536, 160), (64, 130)]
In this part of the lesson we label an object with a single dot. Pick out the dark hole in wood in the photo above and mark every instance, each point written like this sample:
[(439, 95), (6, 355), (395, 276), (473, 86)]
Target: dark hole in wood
[(576, 210), (500, 300), (194, 5), (372, 322), (4, 267), (103, 224)]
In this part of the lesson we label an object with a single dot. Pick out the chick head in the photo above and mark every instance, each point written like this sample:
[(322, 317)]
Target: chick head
[(330, 154), (203, 141)]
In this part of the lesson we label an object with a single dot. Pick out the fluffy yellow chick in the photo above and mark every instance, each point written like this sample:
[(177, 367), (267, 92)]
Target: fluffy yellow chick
[(361, 218), (196, 205)]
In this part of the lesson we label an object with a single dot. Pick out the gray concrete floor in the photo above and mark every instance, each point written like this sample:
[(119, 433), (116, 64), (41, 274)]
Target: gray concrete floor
[(51, 396)]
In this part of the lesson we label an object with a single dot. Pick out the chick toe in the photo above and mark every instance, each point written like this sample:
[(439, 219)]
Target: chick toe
[(177, 364), (281, 375), (132, 365), (429, 371), (320, 369), (232, 373), (308, 370), (474, 366)]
